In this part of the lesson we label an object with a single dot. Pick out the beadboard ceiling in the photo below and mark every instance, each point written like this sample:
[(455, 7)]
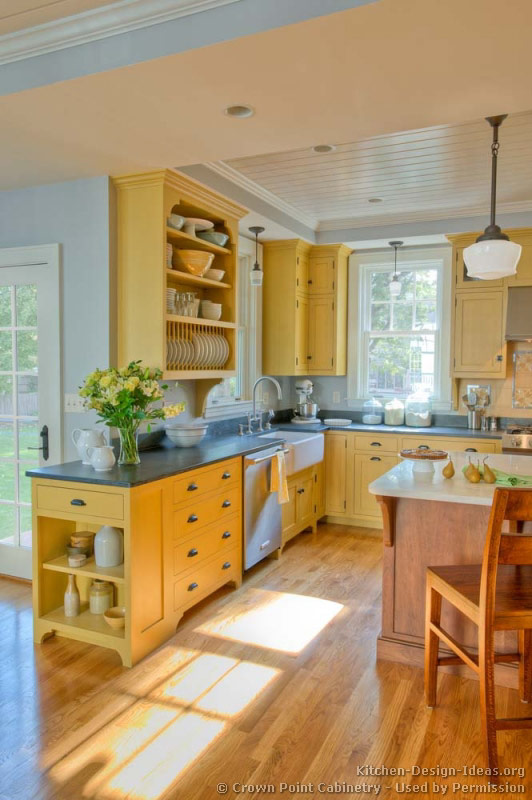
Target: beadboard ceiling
[(418, 174)]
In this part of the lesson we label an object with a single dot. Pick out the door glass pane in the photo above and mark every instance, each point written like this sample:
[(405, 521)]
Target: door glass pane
[(24, 483), (8, 525), (6, 351), (26, 305), (6, 395), (7, 439), (7, 481), (27, 350), (27, 395), (25, 525), (5, 306), (28, 436)]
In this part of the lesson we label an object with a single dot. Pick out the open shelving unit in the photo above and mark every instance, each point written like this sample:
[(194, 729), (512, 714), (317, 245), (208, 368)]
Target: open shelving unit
[(88, 570), (84, 622), (144, 203)]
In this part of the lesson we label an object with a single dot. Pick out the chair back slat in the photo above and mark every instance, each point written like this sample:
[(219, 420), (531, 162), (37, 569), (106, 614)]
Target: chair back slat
[(515, 549), (519, 505)]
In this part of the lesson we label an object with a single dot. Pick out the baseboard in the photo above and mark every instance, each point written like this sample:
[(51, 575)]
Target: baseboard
[(15, 579), (359, 522)]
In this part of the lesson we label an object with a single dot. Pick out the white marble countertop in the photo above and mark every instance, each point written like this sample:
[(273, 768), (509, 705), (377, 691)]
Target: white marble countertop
[(400, 482)]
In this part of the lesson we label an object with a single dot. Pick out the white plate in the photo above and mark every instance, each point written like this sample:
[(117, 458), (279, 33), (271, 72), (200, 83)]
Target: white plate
[(226, 351), (337, 423), (219, 350), (188, 352), (196, 346), (199, 224), (210, 350)]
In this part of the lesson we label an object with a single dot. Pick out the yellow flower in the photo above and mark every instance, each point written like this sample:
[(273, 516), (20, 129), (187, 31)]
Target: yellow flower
[(131, 384), (173, 411), (106, 381)]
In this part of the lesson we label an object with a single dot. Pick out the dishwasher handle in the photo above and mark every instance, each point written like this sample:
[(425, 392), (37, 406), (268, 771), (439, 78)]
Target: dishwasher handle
[(266, 458)]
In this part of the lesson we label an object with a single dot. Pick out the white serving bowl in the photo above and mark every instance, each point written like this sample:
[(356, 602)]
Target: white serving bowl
[(214, 274), (211, 310), (186, 435)]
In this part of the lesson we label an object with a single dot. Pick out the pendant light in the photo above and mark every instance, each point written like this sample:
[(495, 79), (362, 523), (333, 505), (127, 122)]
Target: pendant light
[(395, 283), (255, 276), (493, 255)]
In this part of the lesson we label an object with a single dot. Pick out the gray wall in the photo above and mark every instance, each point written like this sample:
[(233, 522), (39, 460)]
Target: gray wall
[(75, 215)]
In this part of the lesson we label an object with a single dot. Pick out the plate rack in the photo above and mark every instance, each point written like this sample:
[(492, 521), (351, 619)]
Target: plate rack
[(198, 347)]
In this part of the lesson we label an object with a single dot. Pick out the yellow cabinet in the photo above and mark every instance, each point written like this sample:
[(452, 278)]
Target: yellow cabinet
[(299, 513), (304, 308), (479, 345), (336, 473), (462, 279), (319, 490), (523, 277), (367, 469)]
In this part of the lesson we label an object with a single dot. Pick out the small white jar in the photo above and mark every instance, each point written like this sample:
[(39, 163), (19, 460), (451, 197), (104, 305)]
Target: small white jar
[(109, 547)]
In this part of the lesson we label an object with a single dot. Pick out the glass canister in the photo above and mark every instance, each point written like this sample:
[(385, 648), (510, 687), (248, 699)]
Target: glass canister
[(100, 596), (418, 410), (372, 412), (394, 412)]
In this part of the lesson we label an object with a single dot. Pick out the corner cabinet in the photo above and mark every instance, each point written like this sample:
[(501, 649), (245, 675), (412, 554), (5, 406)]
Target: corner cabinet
[(306, 503), (305, 308), (146, 250)]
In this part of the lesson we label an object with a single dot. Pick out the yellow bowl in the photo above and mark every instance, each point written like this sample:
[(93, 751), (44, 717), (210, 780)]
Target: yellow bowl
[(115, 617), (194, 261)]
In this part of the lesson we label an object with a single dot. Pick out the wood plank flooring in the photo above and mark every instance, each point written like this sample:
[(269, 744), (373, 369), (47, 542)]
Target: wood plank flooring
[(273, 684)]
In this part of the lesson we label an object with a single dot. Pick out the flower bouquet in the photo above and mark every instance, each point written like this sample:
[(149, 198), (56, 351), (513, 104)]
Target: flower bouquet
[(123, 398)]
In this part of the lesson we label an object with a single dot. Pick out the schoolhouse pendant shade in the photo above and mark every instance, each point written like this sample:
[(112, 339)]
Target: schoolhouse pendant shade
[(493, 255), (395, 284)]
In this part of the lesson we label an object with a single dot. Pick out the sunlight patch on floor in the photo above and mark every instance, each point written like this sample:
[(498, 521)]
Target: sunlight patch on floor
[(275, 620)]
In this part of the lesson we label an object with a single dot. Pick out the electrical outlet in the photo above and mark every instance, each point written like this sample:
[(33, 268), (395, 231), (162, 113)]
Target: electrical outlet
[(74, 404), (336, 397)]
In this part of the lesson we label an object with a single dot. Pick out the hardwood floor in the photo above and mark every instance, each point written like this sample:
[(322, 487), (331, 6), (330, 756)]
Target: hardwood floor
[(275, 683)]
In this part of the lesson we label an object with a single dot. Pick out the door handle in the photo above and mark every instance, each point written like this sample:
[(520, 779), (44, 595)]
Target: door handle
[(376, 444), (375, 458), (77, 502), (300, 491), (45, 443)]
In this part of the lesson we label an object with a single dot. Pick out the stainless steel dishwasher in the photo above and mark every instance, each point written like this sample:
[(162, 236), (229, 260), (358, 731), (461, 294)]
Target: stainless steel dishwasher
[(262, 512)]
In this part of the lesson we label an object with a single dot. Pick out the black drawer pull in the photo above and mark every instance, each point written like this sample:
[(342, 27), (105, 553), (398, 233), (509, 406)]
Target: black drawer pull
[(471, 450), (375, 458), (77, 502), (192, 487), (192, 553), (424, 447), (300, 491), (226, 504), (226, 535), (192, 518), (192, 586), (226, 565), (376, 444), (226, 475)]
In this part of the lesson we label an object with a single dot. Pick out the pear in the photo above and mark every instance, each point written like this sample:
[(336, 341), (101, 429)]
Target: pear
[(489, 476), (467, 470), (448, 470), (472, 473)]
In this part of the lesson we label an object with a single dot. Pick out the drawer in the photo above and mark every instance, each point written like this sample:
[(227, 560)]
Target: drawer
[(460, 445), (377, 444), (200, 481), (80, 501), (208, 577), (212, 509), (219, 537)]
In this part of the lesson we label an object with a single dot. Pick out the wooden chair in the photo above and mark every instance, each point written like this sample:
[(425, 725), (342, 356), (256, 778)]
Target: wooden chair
[(496, 595)]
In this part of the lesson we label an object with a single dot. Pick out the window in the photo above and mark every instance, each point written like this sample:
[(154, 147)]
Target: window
[(232, 397), (400, 345)]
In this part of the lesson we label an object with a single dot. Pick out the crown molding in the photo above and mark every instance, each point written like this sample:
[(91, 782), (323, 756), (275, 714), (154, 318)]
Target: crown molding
[(419, 216), (98, 23), (236, 177)]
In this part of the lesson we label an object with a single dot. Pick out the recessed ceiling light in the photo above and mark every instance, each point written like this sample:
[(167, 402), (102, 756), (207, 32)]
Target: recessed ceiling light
[(374, 199), (324, 148), (239, 111)]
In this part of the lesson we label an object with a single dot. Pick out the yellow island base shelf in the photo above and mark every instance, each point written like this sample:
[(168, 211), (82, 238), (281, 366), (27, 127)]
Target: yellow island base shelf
[(178, 548)]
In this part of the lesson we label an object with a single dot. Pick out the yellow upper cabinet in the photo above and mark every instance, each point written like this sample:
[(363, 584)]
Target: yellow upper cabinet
[(523, 277), (479, 345), (148, 265), (305, 308)]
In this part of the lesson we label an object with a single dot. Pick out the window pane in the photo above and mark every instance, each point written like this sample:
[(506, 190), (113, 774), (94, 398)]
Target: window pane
[(8, 529), (380, 282), (380, 316), (28, 436), (6, 358), (426, 315), (27, 396), (403, 315), (400, 365), (7, 439), (5, 306), (408, 282), (26, 350), (6, 394), (7, 480), (426, 284), (24, 483), (26, 303), (25, 525)]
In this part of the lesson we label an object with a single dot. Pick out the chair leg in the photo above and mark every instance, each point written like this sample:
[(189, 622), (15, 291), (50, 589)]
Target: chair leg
[(525, 666), (486, 662), (432, 643)]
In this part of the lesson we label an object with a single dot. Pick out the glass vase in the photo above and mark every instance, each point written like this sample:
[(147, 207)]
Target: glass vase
[(129, 445)]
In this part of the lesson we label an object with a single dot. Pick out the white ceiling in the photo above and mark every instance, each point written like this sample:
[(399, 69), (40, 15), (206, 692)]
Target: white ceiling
[(420, 174), (15, 15), (370, 71)]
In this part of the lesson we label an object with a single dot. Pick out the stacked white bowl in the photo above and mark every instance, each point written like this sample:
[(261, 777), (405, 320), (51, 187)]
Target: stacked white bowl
[(170, 300), (169, 254), (186, 435), (211, 310)]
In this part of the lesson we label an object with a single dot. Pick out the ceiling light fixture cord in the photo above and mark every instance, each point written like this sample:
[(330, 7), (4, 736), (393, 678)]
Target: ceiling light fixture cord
[(255, 275)]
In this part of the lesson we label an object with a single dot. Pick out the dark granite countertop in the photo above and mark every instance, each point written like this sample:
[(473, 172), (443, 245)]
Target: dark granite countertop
[(405, 430), (159, 463)]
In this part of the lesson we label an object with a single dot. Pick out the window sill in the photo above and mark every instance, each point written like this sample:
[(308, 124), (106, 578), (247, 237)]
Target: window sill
[(239, 408)]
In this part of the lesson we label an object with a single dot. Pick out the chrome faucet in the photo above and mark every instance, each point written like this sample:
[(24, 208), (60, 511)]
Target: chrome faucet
[(279, 396)]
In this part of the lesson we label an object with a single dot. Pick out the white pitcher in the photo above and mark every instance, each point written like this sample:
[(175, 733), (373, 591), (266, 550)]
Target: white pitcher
[(102, 459), (87, 437)]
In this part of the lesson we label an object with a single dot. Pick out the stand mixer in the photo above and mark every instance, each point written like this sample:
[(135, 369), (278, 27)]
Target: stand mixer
[(305, 411)]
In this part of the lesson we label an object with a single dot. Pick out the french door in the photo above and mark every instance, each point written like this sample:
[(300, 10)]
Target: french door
[(30, 390)]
